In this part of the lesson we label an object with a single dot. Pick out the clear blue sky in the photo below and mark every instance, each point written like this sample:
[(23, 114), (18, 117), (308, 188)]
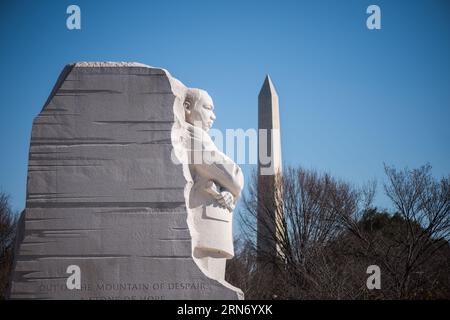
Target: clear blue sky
[(350, 98)]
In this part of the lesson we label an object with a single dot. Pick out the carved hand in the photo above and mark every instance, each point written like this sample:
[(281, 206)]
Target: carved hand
[(226, 200)]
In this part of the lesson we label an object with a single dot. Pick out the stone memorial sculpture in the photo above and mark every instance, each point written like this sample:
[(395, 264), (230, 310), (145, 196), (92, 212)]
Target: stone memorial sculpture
[(114, 193), (214, 185)]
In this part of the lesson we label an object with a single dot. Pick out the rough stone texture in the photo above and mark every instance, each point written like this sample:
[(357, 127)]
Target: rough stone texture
[(103, 193)]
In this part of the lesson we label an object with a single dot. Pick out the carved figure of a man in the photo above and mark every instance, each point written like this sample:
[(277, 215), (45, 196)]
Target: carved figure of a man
[(213, 189)]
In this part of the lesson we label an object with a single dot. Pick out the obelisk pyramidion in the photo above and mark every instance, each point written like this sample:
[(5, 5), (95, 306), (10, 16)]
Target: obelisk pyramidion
[(270, 213)]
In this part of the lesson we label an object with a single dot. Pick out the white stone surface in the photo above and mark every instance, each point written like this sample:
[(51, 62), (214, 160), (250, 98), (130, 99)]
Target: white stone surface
[(109, 64), (214, 184)]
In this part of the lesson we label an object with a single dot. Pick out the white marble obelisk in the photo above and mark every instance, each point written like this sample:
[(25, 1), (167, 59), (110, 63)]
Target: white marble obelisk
[(270, 207)]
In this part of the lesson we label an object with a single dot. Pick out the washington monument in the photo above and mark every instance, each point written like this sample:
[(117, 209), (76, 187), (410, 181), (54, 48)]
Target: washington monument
[(270, 206)]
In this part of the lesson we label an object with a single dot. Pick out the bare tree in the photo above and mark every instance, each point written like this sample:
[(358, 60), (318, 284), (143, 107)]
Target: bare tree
[(330, 233), (314, 208), (7, 235), (406, 244), (242, 266), (424, 204)]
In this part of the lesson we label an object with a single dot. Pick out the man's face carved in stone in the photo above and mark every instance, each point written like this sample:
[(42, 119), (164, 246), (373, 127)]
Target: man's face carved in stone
[(200, 113)]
